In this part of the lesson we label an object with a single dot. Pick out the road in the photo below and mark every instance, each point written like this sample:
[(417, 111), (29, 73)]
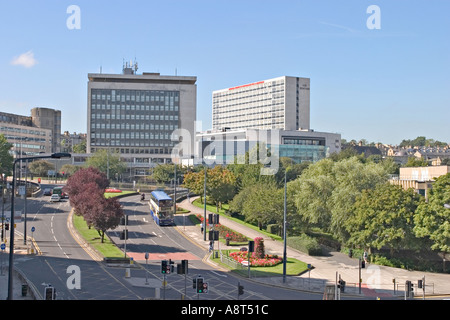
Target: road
[(99, 281)]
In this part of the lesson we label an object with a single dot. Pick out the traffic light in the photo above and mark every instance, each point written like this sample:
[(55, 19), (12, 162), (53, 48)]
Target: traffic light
[(341, 285), (408, 287), (163, 266), (213, 235), (124, 220), (6, 226), (251, 246), (213, 218), (182, 268), (49, 293), (124, 235), (170, 266), (205, 287), (199, 285)]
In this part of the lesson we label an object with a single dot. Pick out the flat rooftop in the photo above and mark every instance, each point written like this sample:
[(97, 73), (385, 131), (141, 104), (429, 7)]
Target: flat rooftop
[(141, 78)]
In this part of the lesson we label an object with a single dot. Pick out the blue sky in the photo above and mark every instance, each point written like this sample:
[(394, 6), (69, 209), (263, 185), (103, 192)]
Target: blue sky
[(383, 85)]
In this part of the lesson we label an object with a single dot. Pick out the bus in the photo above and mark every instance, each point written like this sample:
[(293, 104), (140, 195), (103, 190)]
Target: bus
[(161, 208), (59, 191)]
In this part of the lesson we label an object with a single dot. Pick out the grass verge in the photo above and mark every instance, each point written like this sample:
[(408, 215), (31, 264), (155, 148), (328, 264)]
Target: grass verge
[(107, 248)]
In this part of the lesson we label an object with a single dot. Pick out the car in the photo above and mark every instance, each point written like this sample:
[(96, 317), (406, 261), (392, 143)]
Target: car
[(55, 198), (47, 192)]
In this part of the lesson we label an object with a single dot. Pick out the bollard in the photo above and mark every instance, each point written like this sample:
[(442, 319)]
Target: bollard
[(157, 294), (127, 272)]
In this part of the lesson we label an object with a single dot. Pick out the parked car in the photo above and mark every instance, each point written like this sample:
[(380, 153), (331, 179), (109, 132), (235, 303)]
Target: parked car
[(47, 192), (55, 198)]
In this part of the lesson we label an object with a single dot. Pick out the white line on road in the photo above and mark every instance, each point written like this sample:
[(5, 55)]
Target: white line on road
[(217, 274)]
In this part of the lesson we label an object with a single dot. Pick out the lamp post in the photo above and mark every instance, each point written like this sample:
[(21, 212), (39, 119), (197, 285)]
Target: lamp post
[(11, 236), (204, 208), (284, 230)]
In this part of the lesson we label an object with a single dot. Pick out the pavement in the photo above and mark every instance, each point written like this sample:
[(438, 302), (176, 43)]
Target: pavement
[(19, 279), (377, 282)]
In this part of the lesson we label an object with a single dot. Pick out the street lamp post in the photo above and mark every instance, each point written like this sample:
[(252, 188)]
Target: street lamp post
[(284, 230), (204, 210), (11, 236)]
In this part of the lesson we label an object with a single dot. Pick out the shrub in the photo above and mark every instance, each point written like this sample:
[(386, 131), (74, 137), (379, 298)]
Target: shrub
[(259, 244), (305, 244), (273, 229)]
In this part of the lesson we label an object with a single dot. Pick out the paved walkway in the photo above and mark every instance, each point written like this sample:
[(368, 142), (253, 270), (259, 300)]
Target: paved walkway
[(376, 281)]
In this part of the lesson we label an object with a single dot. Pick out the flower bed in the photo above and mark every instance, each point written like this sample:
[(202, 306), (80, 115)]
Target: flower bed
[(267, 261)]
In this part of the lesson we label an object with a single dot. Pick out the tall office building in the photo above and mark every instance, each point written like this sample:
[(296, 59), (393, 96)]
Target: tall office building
[(136, 114), (280, 103), (275, 112)]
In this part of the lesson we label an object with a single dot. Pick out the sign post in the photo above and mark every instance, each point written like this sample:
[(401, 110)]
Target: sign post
[(3, 247)]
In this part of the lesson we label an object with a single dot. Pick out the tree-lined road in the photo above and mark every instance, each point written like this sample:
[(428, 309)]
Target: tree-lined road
[(99, 281)]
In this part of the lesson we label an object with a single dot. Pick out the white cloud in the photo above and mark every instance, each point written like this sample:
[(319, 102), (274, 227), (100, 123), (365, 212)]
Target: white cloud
[(26, 60)]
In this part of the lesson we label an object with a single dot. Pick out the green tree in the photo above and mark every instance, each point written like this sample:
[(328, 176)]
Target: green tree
[(69, 169), (105, 161), (325, 192), (194, 181), (220, 185), (164, 173), (432, 218), (384, 217), (263, 203), (414, 162), (41, 167), (79, 148), (6, 158)]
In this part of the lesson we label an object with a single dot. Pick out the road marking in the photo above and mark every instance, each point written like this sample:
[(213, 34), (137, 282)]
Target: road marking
[(217, 274)]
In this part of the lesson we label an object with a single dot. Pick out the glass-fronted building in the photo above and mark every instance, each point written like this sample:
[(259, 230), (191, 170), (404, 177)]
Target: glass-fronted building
[(222, 147)]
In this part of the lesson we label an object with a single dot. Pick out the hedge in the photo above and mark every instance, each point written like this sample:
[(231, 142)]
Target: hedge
[(305, 244)]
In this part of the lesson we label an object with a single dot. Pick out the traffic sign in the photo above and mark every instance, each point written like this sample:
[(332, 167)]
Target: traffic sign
[(3, 246), (33, 229)]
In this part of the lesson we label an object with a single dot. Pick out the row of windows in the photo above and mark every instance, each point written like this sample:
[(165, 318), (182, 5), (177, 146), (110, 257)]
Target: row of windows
[(17, 146), (169, 97), (132, 126), (271, 86), (246, 102), (32, 131), (307, 142), (273, 95), (133, 107), (142, 117), (138, 151), (132, 135)]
